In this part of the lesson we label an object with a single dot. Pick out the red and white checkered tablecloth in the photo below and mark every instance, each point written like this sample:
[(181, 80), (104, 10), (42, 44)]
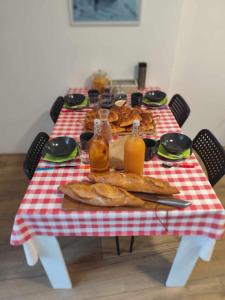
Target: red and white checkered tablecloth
[(40, 212)]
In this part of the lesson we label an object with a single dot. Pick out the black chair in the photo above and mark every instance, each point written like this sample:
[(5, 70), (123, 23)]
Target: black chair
[(179, 108), (34, 153), (56, 108), (211, 153)]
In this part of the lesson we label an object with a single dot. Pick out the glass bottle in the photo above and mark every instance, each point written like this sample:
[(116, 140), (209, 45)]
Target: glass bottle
[(134, 152), (98, 150), (106, 130)]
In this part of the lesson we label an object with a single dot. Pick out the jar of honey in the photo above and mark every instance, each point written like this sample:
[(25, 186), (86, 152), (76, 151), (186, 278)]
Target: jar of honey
[(100, 81)]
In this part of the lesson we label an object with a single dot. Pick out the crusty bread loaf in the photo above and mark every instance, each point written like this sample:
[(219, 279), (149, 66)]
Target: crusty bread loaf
[(100, 194), (135, 183)]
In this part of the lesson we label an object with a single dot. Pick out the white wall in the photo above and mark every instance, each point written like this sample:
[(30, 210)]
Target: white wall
[(41, 55), (199, 69)]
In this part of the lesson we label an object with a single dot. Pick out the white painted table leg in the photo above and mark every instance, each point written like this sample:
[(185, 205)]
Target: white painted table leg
[(190, 249), (49, 252), (31, 252)]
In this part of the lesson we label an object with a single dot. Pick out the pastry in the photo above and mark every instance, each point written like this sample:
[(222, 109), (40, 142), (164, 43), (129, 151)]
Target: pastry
[(117, 129), (121, 119), (130, 117), (113, 116), (147, 122)]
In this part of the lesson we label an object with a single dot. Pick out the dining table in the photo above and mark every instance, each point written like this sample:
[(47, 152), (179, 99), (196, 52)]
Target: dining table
[(40, 218)]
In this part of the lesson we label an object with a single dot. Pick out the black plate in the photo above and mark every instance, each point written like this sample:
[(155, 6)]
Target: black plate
[(175, 143), (74, 99), (154, 104), (168, 159), (155, 96), (60, 146)]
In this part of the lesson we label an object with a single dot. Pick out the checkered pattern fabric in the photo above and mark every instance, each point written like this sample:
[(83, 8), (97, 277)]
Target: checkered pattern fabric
[(40, 212)]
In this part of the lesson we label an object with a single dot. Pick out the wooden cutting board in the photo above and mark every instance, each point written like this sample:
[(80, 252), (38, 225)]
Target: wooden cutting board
[(70, 204)]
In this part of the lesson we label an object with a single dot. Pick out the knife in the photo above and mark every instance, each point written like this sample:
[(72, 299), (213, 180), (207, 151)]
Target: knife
[(162, 200), (54, 167)]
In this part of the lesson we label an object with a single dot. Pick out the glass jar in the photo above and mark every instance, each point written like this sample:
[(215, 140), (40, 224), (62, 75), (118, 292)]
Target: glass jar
[(100, 81)]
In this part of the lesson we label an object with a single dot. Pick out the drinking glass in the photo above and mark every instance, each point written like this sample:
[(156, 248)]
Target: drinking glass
[(93, 96), (83, 146), (136, 99)]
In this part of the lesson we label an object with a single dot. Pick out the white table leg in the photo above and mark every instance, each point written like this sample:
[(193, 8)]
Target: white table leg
[(190, 249), (48, 250)]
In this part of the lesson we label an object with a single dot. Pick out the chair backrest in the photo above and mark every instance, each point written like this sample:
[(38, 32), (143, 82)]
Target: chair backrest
[(56, 108), (34, 153), (212, 154), (179, 108)]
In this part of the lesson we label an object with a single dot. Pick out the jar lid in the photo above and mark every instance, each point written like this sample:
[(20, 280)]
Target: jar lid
[(99, 73)]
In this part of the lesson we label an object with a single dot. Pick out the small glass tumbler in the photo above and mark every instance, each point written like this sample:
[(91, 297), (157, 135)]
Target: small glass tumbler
[(93, 96), (136, 99), (83, 146), (106, 101), (150, 148), (84, 156)]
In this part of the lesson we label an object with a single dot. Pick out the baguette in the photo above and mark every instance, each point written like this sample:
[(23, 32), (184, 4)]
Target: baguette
[(100, 194), (135, 183)]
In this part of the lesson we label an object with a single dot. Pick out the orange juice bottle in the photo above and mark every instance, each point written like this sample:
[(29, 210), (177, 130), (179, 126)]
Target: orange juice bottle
[(98, 150), (134, 152)]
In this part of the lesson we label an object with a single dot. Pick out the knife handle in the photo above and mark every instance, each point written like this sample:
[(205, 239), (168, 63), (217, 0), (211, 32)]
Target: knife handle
[(186, 165)]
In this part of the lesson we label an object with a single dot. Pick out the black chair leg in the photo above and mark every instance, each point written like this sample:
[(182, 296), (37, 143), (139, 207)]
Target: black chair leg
[(117, 245), (131, 244)]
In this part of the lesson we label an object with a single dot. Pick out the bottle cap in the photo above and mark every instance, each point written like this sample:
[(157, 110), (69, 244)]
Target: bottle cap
[(97, 122), (136, 123)]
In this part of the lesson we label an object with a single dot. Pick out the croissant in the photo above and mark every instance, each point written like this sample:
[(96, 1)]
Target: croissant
[(100, 194), (135, 183)]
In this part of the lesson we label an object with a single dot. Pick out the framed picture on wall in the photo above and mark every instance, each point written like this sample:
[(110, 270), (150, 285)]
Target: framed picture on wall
[(105, 12)]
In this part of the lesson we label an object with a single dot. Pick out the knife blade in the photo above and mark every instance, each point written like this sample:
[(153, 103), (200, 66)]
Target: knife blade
[(54, 167), (162, 200)]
